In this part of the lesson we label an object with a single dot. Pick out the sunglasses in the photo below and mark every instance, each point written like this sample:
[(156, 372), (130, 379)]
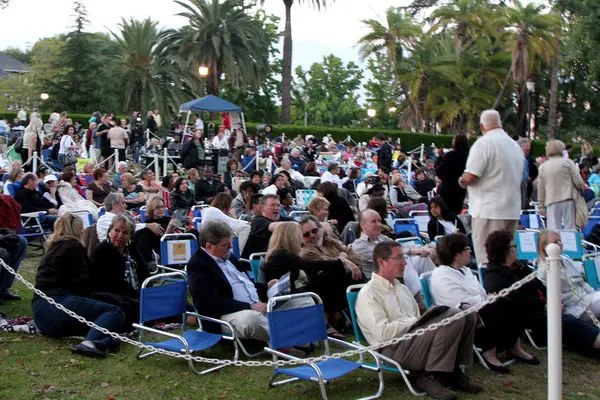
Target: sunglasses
[(313, 231)]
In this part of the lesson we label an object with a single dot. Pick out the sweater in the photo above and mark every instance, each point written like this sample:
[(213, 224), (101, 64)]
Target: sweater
[(559, 180)]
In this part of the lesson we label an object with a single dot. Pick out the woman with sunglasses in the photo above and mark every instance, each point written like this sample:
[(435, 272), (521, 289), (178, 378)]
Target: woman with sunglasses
[(501, 323)]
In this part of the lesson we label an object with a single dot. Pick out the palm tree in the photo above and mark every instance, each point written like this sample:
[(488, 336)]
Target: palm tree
[(222, 36), (396, 37), (535, 35), (553, 105), (147, 81)]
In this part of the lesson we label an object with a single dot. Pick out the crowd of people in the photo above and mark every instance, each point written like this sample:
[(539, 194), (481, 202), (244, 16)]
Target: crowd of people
[(343, 233)]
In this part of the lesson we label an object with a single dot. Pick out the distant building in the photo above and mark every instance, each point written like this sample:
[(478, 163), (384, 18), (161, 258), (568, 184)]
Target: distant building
[(9, 65)]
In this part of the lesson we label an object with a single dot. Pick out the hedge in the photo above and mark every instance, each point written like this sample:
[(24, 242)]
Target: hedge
[(409, 140)]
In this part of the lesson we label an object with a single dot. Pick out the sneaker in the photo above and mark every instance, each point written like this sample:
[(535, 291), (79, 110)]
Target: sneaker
[(430, 385), (460, 381), (87, 351)]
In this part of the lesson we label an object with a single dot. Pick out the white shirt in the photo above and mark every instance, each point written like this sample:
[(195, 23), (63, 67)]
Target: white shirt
[(272, 189), (103, 224), (241, 287), (65, 143), (22, 115), (450, 287), (329, 177), (199, 124), (498, 162), (214, 214), (219, 142)]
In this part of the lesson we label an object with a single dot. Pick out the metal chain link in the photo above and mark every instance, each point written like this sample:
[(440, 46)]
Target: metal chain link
[(421, 331)]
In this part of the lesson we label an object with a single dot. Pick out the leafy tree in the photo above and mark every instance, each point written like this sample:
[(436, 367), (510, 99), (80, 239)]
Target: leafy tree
[(18, 54), (380, 91), (328, 92)]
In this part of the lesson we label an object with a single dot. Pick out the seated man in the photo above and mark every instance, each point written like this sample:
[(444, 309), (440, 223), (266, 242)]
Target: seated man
[(221, 290), (255, 208), (286, 165), (386, 310), (122, 169), (31, 200), (206, 188), (370, 224), (115, 204), (242, 200)]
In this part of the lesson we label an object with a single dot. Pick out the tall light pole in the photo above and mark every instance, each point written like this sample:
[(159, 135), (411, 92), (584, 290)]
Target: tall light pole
[(371, 112), (203, 72), (530, 91)]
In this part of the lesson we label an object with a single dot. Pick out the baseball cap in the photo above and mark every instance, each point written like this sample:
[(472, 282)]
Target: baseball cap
[(50, 178)]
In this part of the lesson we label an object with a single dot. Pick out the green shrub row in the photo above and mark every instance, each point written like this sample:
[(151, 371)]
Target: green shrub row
[(409, 140)]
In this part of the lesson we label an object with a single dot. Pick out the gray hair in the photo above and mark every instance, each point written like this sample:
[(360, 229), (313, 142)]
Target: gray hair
[(125, 219), (523, 140), (308, 218), (110, 199), (213, 232), (490, 118), (295, 151), (286, 161), (554, 148), (121, 164)]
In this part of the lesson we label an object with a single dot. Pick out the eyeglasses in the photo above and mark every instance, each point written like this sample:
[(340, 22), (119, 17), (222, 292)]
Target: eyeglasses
[(313, 231), (399, 258)]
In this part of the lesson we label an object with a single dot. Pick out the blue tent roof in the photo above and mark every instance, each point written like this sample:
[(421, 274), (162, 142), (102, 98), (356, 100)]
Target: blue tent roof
[(210, 103)]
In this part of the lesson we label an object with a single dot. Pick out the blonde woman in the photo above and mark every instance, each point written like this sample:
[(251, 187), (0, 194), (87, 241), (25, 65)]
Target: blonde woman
[(587, 156), (327, 278), (133, 193), (31, 142), (572, 284), (63, 276), (559, 183), (319, 207)]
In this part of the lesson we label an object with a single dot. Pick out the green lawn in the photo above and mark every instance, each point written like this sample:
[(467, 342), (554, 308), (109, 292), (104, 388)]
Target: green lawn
[(40, 368)]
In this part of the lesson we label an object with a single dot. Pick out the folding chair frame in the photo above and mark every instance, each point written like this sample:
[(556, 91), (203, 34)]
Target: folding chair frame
[(320, 380), (186, 348)]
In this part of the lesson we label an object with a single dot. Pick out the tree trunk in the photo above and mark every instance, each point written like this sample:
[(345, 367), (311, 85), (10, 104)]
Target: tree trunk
[(286, 75), (553, 112), (504, 85), (522, 112)]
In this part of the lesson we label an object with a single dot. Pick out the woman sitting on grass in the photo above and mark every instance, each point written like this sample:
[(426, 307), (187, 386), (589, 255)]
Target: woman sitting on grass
[(63, 276)]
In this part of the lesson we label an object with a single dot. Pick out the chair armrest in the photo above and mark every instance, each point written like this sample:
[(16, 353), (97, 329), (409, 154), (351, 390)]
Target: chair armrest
[(216, 321), (282, 355), (592, 245), (34, 214), (358, 347), (162, 333), (159, 266)]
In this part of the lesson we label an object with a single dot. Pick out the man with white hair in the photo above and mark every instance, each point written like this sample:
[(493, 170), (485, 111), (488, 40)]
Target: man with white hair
[(493, 180), (286, 165), (297, 160)]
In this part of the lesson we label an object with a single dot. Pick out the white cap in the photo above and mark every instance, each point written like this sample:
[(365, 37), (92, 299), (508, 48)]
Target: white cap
[(50, 178)]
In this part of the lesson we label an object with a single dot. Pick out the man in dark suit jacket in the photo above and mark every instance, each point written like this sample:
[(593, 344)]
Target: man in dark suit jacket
[(206, 188), (221, 290), (384, 155)]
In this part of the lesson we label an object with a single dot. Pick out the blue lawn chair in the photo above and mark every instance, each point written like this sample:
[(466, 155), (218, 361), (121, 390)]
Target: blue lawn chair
[(197, 210), (530, 219), (386, 363), (572, 244), (176, 249), (590, 270), (304, 325), (170, 299), (593, 220), (255, 260), (527, 245), (235, 247), (408, 225)]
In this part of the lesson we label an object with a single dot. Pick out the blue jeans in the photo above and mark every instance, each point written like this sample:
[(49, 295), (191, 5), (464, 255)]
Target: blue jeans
[(6, 278), (55, 323)]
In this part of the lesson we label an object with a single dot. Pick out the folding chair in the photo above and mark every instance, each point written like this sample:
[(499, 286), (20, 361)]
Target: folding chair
[(408, 225), (296, 215), (304, 196), (235, 247), (197, 210), (304, 325), (257, 275), (572, 244), (593, 220), (422, 219), (409, 240), (169, 299), (429, 301), (530, 219), (386, 363), (32, 229), (527, 245), (591, 269), (176, 249), (86, 217)]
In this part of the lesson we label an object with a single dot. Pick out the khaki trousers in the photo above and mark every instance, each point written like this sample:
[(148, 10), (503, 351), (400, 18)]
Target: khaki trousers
[(481, 229), (250, 324), (439, 351)]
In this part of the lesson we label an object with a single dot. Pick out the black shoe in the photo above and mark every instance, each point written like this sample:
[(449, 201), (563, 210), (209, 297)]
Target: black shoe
[(113, 346), (9, 296), (87, 351), (532, 361), (501, 369)]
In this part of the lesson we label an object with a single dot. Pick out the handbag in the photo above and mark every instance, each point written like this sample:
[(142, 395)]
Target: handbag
[(581, 211), (70, 159), (19, 144)]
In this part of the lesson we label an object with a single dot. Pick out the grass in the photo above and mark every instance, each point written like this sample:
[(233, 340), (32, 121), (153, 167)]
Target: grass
[(33, 367)]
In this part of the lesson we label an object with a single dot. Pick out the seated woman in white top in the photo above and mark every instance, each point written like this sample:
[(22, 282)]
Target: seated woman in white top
[(572, 285), (71, 199), (278, 182), (219, 210), (454, 285)]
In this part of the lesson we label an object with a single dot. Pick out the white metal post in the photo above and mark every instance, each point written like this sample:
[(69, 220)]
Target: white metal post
[(165, 160), (187, 119), (409, 169), (554, 323), (35, 162), (116, 160), (422, 150), (92, 154), (156, 167)]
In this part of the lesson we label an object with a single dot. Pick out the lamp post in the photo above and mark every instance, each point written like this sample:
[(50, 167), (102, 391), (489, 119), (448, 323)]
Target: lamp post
[(371, 112), (44, 97), (203, 72), (530, 91)]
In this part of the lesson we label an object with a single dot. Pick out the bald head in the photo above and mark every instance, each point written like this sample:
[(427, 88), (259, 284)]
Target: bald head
[(490, 119), (370, 223)]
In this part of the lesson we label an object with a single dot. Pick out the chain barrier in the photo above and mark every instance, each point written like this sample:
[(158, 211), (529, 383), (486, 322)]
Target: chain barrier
[(421, 331)]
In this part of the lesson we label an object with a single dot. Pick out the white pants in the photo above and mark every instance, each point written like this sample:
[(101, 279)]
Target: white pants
[(560, 213), (593, 302), (250, 324)]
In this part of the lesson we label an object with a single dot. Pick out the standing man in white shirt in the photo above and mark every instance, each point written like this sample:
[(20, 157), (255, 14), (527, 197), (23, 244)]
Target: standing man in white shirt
[(493, 181), (198, 123), (157, 119), (22, 116)]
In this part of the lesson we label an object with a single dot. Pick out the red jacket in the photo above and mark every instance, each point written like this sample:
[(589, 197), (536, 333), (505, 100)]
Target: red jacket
[(11, 213)]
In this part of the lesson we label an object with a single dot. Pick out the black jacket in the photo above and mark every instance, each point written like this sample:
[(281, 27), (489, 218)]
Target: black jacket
[(205, 190), (64, 269), (423, 188), (340, 210), (384, 156), (189, 154), (181, 200), (449, 168), (32, 200), (107, 270), (211, 290), (533, 174), (435, 228)]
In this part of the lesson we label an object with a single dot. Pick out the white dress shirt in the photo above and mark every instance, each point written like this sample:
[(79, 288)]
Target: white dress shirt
[(450, 287), (242, 288), (329, 177)]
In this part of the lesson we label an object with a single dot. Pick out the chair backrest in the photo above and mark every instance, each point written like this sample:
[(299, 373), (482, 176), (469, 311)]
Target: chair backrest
[(101, 211), (4, 178), (572, 245), (177, 249), (406, 224), (530, 219), (591, 268), (527, 245), (297, 215), (143, 213), (304, 196), (90, 239), (351, 296), (411, 240), (163, 301), (425, 289), (255, 260), (236, 247), (298, 326), (593, 220), (197, 210), (421, 218), (86, 217), (196, 223), (481, 272)]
